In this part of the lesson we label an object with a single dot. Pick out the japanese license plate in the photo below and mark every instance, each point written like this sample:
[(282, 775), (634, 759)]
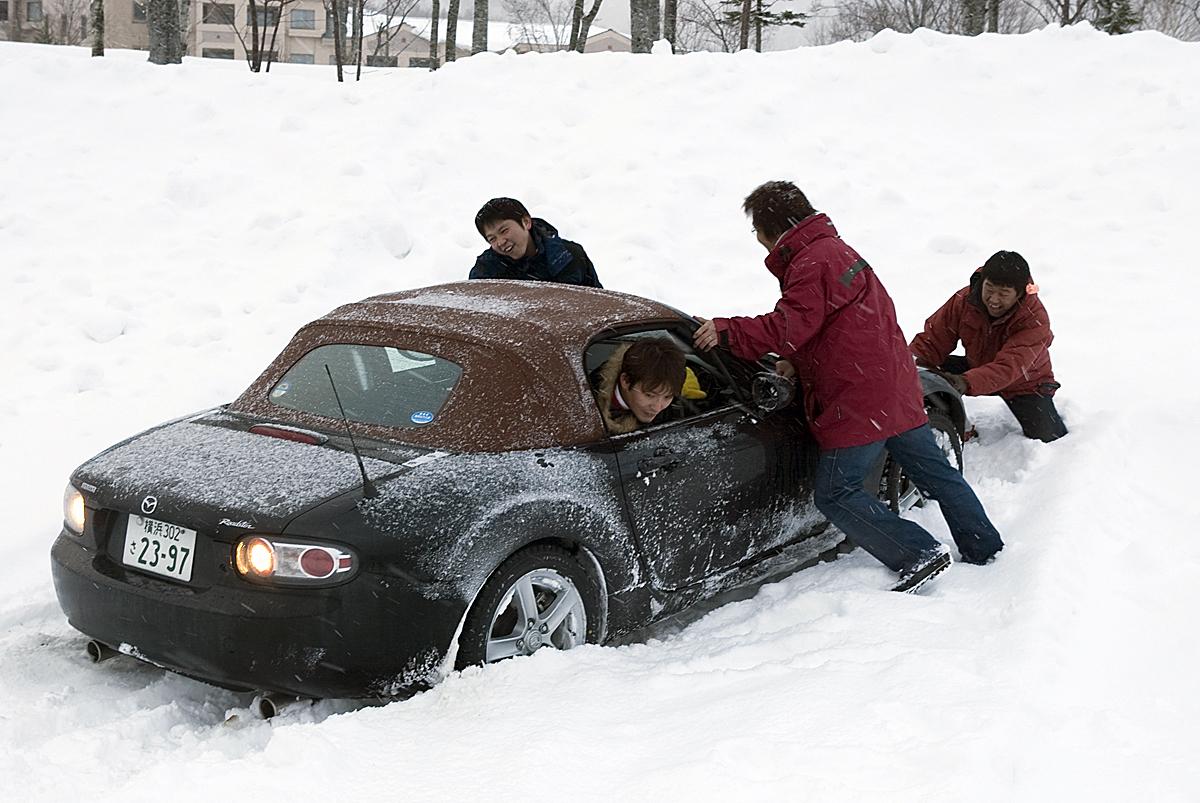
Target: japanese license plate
[(159, 547)]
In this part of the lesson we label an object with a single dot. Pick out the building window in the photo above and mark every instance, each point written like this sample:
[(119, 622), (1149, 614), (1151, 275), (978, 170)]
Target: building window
[(304, 19), (302, 58), (216, 53), (218, 14), (424, 63), (3, 10), (33, 11), (381, 61), (267, 17), (139, 11)]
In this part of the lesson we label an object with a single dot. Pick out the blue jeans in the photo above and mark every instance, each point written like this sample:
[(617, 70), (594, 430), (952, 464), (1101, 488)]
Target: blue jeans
[(898, 543)]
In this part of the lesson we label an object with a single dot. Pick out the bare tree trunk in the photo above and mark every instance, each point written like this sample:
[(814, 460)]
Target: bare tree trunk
[(479, 31), (576, 21), (254, 52), (17, 23), (360, 10), (640, 29), (433, 35), (274, 35), (162, 25), (974, 14), (338, 52), (1070, 17), (97, 27), (670, 20), (655, 21), (356, 26), (744, 30), (994, 16), (185, 10), (451, 29), (758, 26), (585, 24)]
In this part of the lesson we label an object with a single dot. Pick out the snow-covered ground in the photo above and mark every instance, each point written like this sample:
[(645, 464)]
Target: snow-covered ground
[(163, 231)]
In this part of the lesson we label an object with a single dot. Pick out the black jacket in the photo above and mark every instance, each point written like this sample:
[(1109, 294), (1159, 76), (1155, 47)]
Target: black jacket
[(555, 260)]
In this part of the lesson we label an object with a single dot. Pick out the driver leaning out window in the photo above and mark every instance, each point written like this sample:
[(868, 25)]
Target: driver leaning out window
[(638, 382)]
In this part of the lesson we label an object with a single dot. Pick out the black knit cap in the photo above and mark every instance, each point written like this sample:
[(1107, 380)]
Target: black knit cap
[(1007, 268)]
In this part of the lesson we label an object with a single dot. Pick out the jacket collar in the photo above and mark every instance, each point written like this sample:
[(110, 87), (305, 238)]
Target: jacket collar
[(618, 419), (798, 238)]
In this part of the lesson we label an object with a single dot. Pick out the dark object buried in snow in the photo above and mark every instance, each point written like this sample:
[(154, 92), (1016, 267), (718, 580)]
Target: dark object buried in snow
[(239, 546)]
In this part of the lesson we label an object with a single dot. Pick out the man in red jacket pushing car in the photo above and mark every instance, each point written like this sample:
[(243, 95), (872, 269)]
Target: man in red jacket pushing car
[(835, 326), (1006, 333)]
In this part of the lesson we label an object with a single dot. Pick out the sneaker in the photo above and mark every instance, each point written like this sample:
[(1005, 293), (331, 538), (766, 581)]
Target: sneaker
[(925, 570)]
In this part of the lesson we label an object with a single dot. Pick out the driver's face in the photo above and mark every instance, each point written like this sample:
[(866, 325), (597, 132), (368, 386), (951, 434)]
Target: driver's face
[(645, 404)]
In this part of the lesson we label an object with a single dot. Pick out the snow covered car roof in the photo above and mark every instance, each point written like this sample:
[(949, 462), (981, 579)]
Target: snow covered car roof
[(520, 346)]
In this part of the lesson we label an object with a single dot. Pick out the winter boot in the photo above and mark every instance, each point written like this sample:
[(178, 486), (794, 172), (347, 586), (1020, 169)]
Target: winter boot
[(923, 571)]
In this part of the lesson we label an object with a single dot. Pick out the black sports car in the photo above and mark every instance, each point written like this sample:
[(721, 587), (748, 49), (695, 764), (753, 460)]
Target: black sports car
[(422, 481)]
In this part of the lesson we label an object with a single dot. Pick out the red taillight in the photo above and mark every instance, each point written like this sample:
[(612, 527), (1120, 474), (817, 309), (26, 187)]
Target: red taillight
[(289, 434), (317, 563)]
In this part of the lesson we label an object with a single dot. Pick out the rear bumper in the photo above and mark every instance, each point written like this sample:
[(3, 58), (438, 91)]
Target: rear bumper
[(374, 636)]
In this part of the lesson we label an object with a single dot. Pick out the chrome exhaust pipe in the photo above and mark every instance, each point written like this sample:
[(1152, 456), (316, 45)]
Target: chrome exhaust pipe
[(98, 652), (267, 705)]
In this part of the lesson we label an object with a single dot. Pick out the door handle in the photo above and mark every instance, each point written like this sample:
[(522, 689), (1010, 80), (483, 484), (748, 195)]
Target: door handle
[(663, 460)]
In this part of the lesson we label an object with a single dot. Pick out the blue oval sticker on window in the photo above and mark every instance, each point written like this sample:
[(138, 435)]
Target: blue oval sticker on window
[(421, 417)]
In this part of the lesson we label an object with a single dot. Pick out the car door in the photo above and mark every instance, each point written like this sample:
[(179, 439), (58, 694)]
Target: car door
[(716, 488)]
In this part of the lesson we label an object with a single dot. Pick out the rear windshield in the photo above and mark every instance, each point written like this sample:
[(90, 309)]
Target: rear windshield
[(376, 384)]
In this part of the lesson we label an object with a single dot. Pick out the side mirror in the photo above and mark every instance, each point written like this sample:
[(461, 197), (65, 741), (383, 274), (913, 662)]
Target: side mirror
[(771, 391)]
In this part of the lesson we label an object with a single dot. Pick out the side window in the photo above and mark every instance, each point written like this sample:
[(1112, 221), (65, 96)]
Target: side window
[(706, 387)]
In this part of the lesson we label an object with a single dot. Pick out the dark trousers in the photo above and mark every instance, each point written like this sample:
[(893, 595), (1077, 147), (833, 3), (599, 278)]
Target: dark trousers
[(898, 543), (1035, 412)]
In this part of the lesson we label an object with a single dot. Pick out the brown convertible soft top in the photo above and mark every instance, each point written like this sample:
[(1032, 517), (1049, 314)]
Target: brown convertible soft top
[(520, 345)]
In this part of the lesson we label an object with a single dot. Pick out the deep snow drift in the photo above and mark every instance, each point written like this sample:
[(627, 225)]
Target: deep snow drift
[(163, 231)]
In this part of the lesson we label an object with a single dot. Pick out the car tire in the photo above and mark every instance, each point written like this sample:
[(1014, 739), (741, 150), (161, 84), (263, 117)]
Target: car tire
[(896, 489), (542, 596)]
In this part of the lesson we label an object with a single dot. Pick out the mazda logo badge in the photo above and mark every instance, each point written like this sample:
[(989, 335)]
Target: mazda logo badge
[(149, 504)]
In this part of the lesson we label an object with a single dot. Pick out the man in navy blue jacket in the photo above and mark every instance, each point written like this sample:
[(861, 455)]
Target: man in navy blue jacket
[(524, 247)]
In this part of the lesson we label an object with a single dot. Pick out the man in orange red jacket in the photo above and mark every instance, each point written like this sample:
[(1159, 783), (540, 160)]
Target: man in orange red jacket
[(835, 325), (1006, 333)]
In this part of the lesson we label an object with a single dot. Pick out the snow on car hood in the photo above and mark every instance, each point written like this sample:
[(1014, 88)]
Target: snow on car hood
[(200, 472)]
